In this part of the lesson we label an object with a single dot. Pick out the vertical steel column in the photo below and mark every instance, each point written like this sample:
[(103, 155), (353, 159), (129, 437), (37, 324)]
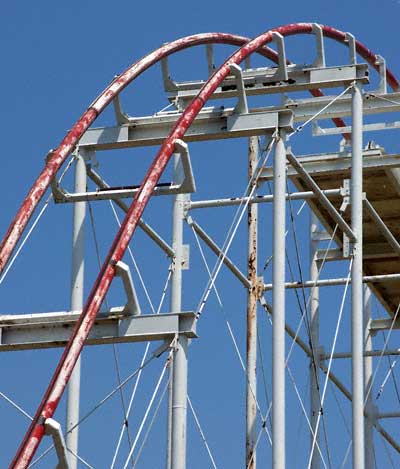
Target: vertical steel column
[(169, 416), (368, 370), (179, 399), (77, 282), (251, 356), (315, 402), (278, 307), (179, 366), (356, 281)]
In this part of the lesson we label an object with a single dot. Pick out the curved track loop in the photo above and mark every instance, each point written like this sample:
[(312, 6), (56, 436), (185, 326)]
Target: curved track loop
[(58, 156), (66, 364)]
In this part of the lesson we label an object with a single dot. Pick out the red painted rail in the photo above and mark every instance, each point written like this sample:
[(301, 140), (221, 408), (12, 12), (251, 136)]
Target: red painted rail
[(66, 364)]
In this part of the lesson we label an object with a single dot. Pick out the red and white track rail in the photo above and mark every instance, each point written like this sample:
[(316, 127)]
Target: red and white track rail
[(58, 156)]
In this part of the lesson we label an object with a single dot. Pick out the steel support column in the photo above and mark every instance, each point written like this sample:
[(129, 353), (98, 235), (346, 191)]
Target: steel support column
[(357, 281), (179, 406), (77, 283), (251, 356), (368, 370), (178, 372), (278, 307), (315, 400)]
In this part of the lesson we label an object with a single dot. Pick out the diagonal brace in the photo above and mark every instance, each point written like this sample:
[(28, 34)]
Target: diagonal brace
[(380, 224), (99, 181), (218, 251), (320, 195)]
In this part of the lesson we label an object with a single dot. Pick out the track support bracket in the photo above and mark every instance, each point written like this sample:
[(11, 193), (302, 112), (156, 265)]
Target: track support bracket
[(132, 308), (53, 428)]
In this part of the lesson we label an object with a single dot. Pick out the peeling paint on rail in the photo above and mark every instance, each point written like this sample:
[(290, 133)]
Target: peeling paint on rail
[(66, 364)]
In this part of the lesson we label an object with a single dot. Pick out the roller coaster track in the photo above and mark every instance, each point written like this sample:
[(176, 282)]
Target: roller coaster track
[(57, 157)]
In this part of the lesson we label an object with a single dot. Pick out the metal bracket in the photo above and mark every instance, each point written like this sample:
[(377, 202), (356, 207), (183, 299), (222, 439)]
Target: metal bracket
[(53, 428), (169, 85), (59, 194), (210, 59), (281, 73), (241, 107), (162, 348), (371, 331), (185, 257), (346, 246), (89, 155), (132, 308), (345, 192), (321, 235), (350, 39), (319, 38), (381, 63), (187, 184), (120, 116)]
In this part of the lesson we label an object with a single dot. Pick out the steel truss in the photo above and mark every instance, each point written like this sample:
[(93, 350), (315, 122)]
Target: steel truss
[(329, 183)]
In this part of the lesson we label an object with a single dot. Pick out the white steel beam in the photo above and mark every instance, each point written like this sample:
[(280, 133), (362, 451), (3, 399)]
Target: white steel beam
[(267, 80), (327, 163), (217, 123), (77, 287), (252, 296), (369, 375), (278, 307), (47, 330), (315, 398), (258, 199), (370, 251), (209, 125), (357, 330), (177, 411), (331, 282), (309, 181), (384, 324)]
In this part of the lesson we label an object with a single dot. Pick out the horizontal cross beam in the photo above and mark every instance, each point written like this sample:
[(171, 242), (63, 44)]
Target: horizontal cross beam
[(47, 330), (218, 122), (209, 125), (328, 163), (264, 81)]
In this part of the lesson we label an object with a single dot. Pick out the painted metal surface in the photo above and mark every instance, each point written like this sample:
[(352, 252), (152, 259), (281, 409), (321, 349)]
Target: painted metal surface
[(176, 425), (315, 398), (77, 298), (278, 308), (252, 302), (57, 157), (357, 334)]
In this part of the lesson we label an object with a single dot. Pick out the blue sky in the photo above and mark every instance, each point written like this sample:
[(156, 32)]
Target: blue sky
[(56, 58)]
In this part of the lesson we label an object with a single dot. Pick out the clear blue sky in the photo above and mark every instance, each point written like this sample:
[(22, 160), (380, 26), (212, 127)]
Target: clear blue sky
[(56, 58)]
